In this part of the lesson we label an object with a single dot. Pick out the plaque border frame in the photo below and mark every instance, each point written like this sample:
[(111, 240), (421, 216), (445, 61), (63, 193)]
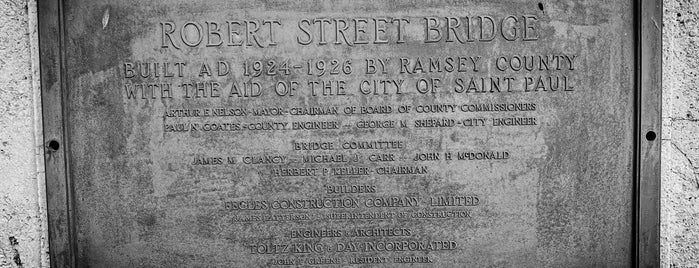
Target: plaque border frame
[(647, 20)]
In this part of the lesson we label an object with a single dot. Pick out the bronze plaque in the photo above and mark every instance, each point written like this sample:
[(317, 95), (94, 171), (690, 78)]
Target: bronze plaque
[(441, 133)]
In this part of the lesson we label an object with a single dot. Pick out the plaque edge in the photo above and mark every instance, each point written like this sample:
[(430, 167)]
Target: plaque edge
[(648, 21), (59, 190)]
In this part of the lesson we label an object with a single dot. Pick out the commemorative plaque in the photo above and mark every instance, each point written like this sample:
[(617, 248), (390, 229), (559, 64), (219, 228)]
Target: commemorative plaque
[(441, 133)]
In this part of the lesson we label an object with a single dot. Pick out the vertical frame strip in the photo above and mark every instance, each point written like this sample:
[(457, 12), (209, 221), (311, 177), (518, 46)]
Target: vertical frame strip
[(53, 95), (649, 81)]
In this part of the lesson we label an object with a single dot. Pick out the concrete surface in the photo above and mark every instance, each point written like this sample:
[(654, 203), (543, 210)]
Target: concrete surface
[(22, 203), (680, 139), (22, 199)]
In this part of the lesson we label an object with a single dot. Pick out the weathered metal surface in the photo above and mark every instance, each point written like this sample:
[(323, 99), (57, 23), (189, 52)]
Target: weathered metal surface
[(340, 133)]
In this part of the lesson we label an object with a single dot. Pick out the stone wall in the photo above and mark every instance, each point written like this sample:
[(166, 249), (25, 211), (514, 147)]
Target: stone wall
[(22, 198), (680, 138), (23, 237)]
